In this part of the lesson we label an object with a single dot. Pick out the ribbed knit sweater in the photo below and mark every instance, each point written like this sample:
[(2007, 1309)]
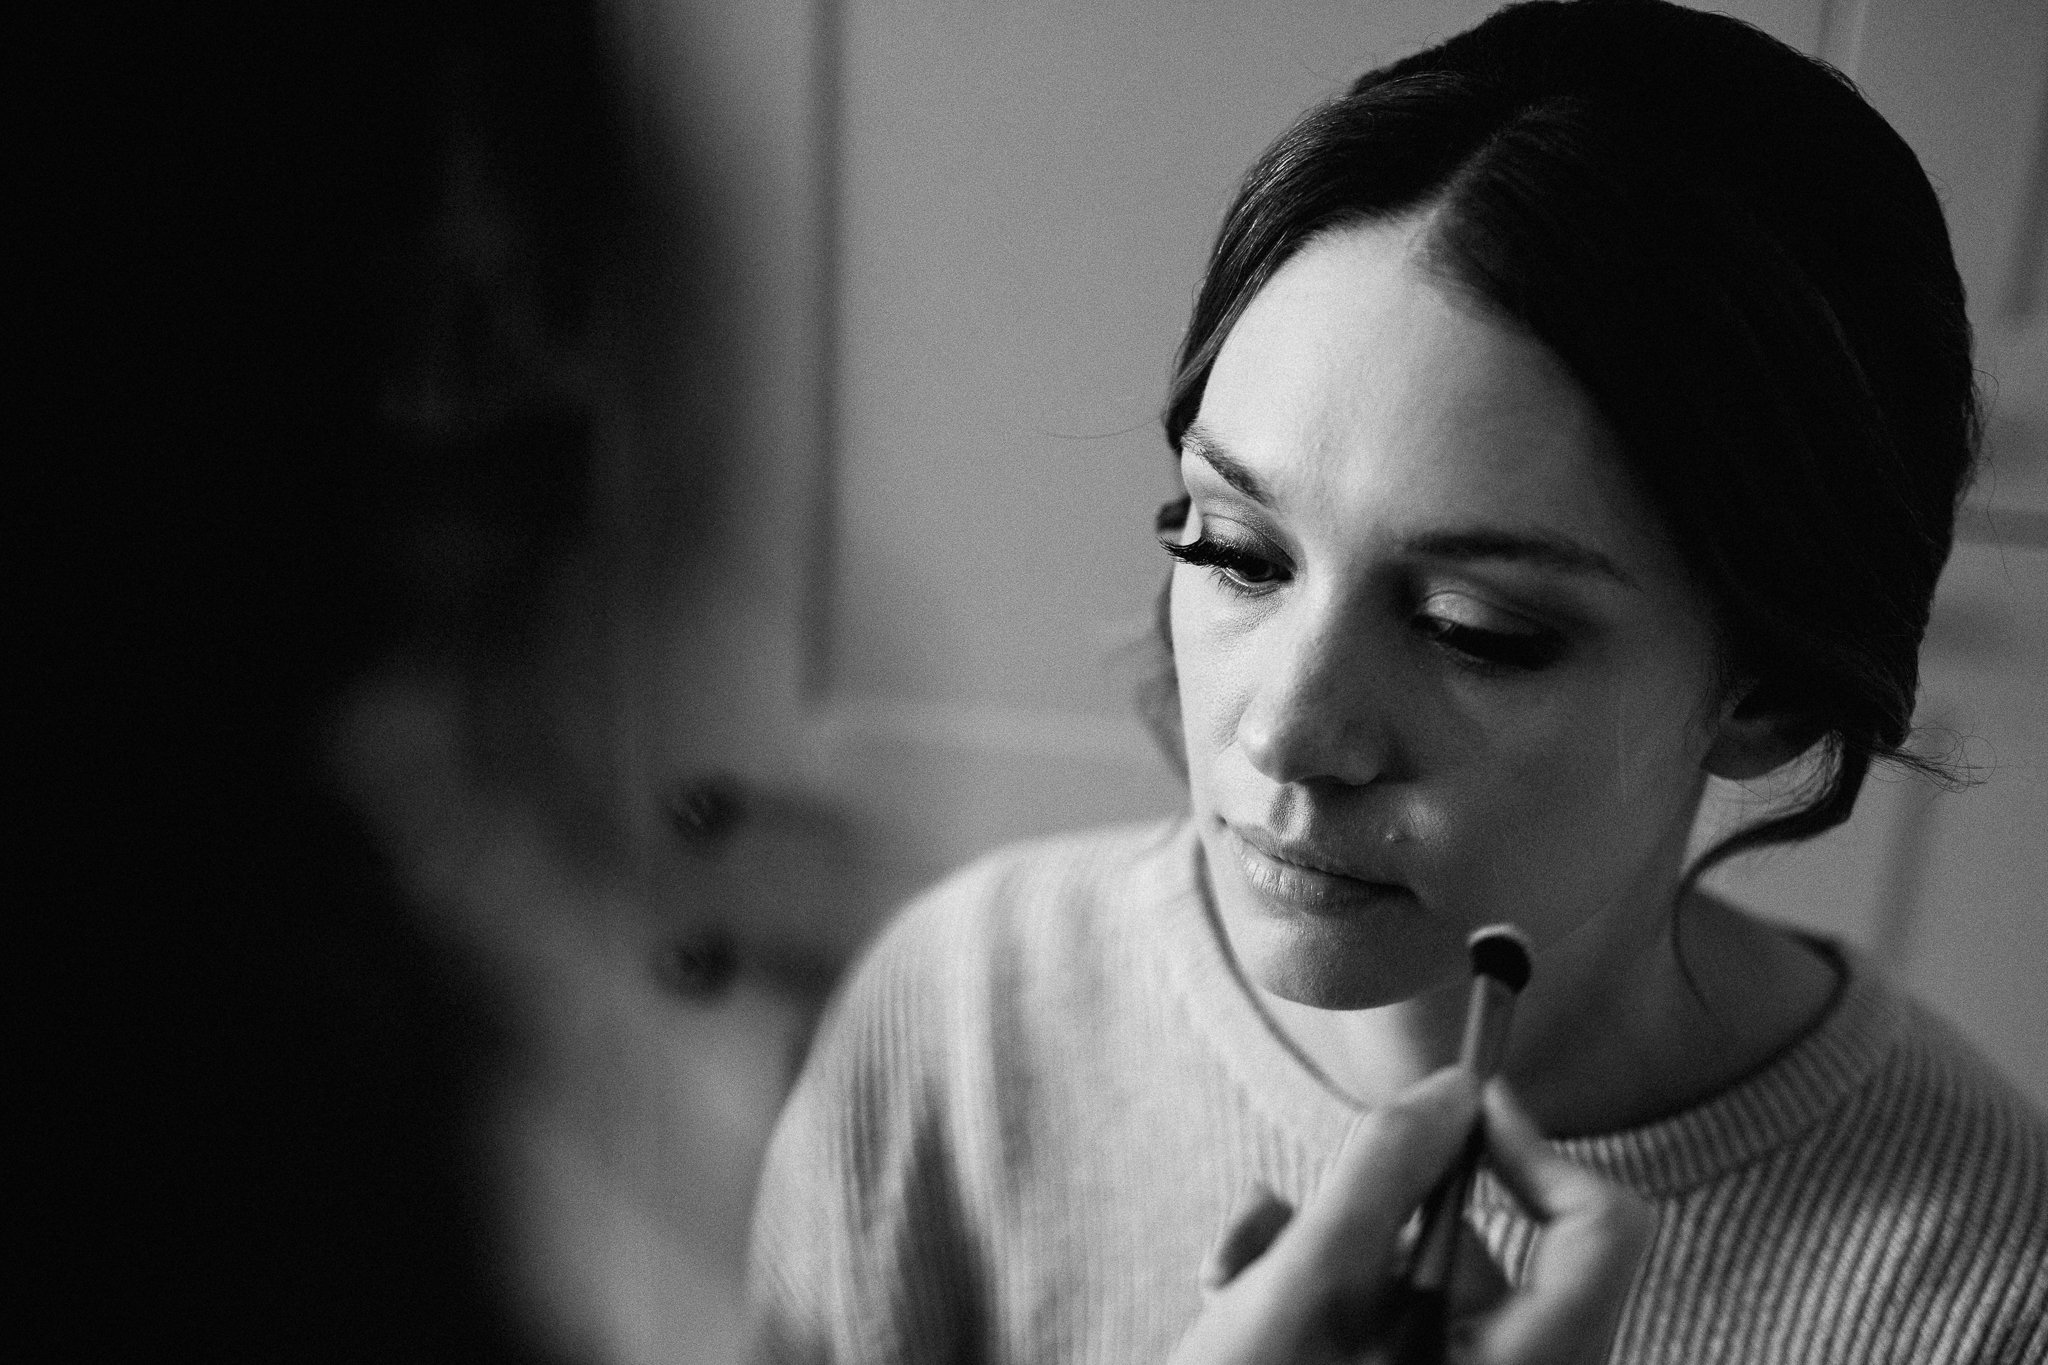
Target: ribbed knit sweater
[(1034, 1103)]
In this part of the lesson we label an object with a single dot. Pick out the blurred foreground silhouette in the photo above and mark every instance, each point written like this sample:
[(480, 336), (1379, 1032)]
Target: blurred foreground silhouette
[(371, 1028)]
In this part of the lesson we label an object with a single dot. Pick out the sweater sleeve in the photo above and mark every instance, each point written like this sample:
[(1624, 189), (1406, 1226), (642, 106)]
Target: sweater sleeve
[(860, 1249)]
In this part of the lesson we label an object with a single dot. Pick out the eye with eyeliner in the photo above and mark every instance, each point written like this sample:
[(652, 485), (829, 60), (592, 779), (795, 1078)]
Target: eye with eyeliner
[(1240, 566), (1474, 635), (1488, 648)]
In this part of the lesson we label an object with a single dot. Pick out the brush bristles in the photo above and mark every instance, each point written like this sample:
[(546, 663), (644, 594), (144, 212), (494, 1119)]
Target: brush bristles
[(1501, 951)]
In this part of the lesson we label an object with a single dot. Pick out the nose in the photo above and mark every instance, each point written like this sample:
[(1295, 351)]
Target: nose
[(1322, 704)]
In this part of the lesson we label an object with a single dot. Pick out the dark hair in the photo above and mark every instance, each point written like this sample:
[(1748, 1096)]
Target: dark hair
[(1747, 271)]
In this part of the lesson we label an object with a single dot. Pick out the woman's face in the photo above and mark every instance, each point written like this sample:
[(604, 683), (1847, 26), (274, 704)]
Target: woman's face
[(1438, 666)]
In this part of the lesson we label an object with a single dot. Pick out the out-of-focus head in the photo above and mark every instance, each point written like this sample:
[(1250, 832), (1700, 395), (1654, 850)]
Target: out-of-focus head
[(1745, 271)]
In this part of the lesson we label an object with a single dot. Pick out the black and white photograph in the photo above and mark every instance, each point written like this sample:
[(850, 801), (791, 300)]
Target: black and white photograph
[(1061, 682)]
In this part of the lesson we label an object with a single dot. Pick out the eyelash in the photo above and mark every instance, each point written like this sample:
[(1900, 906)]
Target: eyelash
[(1228, 562), (1490, 651), (1483, 651)]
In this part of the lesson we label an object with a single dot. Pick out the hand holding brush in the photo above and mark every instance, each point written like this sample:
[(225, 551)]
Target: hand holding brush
[(1330, 1282), (1500, 969)]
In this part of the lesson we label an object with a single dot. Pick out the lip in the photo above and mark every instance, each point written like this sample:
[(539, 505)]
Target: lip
[(1301, 876)]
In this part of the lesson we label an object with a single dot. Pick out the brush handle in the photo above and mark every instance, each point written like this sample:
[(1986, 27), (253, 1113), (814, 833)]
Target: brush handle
[(1488, 1012), (1443, 1217), (1423, 1311), (1421, 1330)]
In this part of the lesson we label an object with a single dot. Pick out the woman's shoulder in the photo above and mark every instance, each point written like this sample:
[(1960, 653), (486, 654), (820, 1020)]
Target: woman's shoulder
[(957, 1058), (1014, 968), (1916, 1101), (1937, 1087), (1943, 1162), (1023, 924)]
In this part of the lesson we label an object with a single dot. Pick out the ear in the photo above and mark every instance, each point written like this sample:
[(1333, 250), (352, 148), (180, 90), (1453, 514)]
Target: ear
[(1752, 736)]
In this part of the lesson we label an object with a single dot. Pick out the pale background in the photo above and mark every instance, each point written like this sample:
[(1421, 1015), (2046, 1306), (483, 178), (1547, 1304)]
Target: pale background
[(963, 238)]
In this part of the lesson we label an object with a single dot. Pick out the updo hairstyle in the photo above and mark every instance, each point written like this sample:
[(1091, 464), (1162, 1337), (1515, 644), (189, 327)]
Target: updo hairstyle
[(1746, 270)]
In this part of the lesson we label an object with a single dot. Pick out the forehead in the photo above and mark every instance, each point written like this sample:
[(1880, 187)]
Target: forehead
[(1357, 379)]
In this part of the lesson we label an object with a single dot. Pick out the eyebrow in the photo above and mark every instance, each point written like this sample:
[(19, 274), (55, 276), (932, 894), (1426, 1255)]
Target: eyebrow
[(1557, 553), (1545, 551), (1197, 441)]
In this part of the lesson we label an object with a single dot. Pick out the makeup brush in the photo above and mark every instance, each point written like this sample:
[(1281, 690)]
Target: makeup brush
[(1500, 968)]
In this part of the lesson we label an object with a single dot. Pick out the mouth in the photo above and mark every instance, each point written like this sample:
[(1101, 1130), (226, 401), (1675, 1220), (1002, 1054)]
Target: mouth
[(1301, 877)]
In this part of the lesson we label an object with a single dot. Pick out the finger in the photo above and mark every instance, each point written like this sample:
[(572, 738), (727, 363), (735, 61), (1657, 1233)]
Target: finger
[(1394, 1153), (1477, 1284), (1258, 1218), (1595, 1234), (1519, 1155)]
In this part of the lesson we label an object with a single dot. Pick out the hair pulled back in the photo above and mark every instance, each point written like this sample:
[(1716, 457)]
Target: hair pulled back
[(1747, 271)]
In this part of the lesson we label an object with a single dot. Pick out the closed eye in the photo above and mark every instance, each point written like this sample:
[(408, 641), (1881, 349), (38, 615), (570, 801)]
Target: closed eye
[(1489, 650), (1238, 567)]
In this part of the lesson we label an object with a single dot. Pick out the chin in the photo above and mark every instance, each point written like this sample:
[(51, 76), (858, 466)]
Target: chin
[(1344, 967)]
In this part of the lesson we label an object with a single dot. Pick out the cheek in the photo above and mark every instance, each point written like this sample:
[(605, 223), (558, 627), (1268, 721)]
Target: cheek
[(1656, 718), (1583, 796), (1211, 695)]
